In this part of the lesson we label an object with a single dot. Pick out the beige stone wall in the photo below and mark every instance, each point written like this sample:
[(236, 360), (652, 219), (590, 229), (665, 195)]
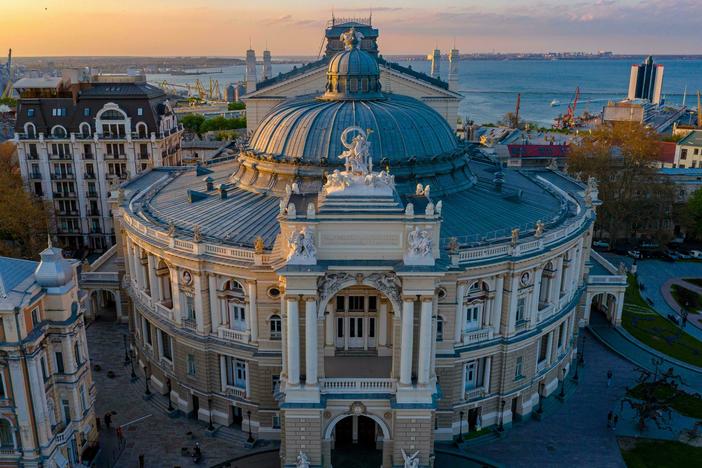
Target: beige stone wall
[(303, 432)]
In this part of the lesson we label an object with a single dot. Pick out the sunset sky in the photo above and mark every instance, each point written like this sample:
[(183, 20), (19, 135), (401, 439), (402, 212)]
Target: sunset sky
[(294, 27)]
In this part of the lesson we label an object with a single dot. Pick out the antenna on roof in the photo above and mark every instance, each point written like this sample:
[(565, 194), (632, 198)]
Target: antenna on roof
[(370, 17), (250, 43)]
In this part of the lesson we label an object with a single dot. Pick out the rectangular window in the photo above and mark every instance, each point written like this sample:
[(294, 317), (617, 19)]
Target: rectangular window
[(372, 303), (76, 352), (276, 421), (339, 327), (35, 317), (561, 330), (166, 348), (30, 112), (275, 381), (543, 348), (683, 153), (33, 150), (439, 329), (147, 332), (236, 372), (191, 364), (83, 401), (521, 306), (371, 327), (518, 365), (66, 411), (356, 303), (140, 111), (86, 112), (44, 372), (339, 303), (189, 307), (59, 362)]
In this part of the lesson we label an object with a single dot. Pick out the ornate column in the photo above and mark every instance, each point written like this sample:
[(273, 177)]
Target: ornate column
[(198, 302), (36, 388), (497, 304), (20, 396), (215, 315), (253, 312), (153, 279), (293, 340), (460, 319), (557, 280), (425, 334), (486, 375), (311, 340), (407, 337), (383, 324), (536, 292), (329, 325), (514, 291), (284, 337)]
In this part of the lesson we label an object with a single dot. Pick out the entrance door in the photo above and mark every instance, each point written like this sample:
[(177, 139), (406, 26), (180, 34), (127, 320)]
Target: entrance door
[(237, 416), (473, 419), (356, 336), (196, 407)]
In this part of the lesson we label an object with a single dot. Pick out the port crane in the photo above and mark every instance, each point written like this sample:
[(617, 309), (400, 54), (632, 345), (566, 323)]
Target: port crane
[(211, 92), (7, 91), (568, 120)]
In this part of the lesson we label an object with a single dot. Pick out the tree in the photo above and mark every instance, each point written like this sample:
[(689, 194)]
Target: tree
[(692, 215), (623, 158), (222, 123), (652, 399), (236, 106), (24, 218), (193, 122)]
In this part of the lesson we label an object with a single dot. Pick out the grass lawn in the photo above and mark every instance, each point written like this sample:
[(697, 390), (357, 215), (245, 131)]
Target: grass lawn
[(644, 453), (683, 402), (659, 333), (481, 432), (695, 281), (684, 296)]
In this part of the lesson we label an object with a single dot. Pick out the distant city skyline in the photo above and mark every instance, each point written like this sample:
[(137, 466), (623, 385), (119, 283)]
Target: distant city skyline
[(223, 28)]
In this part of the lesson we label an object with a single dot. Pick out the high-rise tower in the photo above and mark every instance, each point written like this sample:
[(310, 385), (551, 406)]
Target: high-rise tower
[(267, 67), (646, 81), (436, 63), (454, 57), (250, 71)]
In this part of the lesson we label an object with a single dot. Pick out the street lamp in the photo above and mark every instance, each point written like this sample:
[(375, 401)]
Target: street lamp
[(501, 427), (540, 410), (250, 440), (131, 362), (168, 386), (210, 427), (146, 383), (126, 352)]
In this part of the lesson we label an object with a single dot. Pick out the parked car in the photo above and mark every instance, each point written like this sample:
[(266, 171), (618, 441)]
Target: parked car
[(600, 244), (634, 254), (696, 253)]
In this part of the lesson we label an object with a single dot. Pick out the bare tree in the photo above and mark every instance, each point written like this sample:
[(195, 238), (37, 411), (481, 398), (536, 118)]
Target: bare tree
[(654, 400)]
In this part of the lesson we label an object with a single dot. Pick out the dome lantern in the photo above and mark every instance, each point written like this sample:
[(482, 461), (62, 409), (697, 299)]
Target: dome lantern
[(353, 73)]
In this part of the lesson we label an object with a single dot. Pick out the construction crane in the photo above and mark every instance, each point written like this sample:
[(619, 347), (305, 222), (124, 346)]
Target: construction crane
[(516, 110), (699, 110), (568, 120)]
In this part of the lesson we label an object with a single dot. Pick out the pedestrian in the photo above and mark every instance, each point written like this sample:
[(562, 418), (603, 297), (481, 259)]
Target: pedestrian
[(609, 377), (108, 420), (614, 422), (141, 461), (609, 419)]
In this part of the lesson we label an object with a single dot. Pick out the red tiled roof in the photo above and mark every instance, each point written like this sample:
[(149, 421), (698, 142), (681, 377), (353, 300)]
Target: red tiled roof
[(666, 153), (537, 151)]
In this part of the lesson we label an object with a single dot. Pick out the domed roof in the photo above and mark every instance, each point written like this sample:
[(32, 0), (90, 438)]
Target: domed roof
[(53, 270), (309, 130), (353, 62), (353, 73)]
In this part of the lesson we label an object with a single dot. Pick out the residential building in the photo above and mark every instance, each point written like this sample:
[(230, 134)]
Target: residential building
[(370, 285), (80, 135), (688, 151), (47, 395), (646, 81)]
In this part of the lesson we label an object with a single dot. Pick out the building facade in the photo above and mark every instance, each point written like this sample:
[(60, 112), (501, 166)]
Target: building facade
[(80, 135), (646, 81), (358, 282), (47, 396), (688, 151)]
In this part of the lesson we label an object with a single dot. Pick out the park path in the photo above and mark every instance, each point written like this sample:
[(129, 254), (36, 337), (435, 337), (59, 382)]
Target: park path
[(694, 318), (576, 434)]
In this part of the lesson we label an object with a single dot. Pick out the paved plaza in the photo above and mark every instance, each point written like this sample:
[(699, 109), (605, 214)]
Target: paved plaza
[(149, 431)]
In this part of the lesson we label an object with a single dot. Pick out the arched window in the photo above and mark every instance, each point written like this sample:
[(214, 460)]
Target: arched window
[(112, 114), (439, 328), (235, 310), (30, 130), (7, 439), (142, 130), (84, 130), (546, 278), (276, 327), (59, 132)]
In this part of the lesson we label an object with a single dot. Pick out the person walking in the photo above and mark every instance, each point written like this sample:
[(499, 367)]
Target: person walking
[(609, 419), (615, 421), (609, 377)]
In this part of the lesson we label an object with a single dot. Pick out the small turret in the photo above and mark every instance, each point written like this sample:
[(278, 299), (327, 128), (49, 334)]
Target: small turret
[(53, 271)]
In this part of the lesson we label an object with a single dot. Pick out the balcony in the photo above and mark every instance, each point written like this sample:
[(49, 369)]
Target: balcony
[(476, 336), (89, 175), (68, 212), (62, 176), (521, 326), (65, 435), (242, 336), (166, 364), (143, 155), (89, 156), (189, 322), (92, 194), (33, 157), (65, 195), (163, 309), (475, 393), (59, 156), (540, 366), (355, 385), (232, 391)]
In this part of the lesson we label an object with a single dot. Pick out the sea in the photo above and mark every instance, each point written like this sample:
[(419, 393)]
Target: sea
[(490, 87)]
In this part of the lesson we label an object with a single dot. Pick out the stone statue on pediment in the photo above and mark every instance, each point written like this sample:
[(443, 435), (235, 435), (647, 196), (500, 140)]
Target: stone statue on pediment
[(357, 155), (301, 248), (302, 460), (411, 461)]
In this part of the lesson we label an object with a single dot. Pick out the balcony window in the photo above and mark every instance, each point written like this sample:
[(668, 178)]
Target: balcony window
[(76, 353), (439, 328), (66, 405), (30, 113), (166, 345), (7, 440), (521, 309), (147, 332), (190, 364), (35, 317), (276, 327), (473, 315), (471, 375), (519, 368), (59, 362), (236, 372)]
